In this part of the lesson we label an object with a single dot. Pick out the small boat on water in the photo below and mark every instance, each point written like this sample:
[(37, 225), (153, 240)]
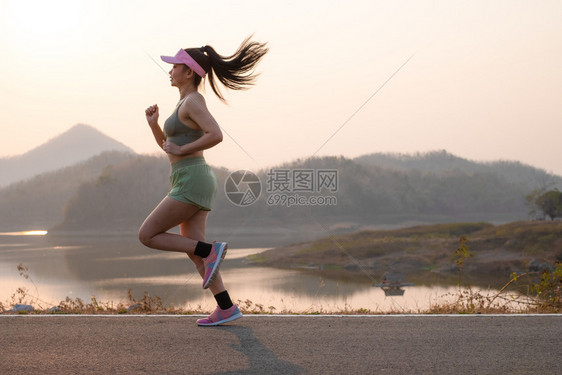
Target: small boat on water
[(392, 284)]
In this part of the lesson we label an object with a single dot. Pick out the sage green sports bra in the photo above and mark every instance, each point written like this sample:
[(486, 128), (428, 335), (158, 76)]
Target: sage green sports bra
[(179, 133)]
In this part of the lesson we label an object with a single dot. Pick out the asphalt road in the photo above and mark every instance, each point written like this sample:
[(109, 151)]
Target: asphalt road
[(480, 344)]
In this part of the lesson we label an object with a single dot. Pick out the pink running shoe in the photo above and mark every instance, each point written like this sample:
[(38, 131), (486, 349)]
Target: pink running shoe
[(213, 262), (221, 316)]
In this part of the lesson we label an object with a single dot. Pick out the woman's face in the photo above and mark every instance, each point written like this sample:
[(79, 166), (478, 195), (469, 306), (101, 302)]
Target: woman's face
[(179, 75)]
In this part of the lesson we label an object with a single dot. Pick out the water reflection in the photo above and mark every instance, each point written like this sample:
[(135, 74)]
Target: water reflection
[(25, 233), (108, 267)]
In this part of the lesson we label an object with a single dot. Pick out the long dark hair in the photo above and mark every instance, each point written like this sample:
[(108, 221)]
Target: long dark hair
[(235, 72)]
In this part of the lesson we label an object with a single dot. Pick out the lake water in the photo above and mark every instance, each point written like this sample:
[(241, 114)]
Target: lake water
[(106, 267)]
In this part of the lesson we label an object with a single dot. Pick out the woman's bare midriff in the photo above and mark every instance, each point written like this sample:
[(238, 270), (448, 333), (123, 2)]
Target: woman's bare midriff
[(175, 158)]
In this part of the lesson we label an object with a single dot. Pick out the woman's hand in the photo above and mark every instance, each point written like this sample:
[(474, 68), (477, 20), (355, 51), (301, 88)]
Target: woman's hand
[(152, 114), (171, 148)]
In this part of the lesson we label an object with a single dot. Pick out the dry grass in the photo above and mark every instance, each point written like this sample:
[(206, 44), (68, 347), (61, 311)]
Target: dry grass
[(531, 292)]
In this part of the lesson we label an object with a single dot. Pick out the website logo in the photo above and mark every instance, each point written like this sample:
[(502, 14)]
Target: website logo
[(243, 188)]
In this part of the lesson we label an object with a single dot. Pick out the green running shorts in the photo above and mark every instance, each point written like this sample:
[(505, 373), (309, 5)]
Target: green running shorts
[(193, 182)]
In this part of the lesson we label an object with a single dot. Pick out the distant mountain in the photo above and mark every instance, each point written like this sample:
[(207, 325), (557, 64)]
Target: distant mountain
[(77, 144)]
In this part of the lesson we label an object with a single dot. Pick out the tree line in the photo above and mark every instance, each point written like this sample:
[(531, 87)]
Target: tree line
[(116, 191), (123, 196)]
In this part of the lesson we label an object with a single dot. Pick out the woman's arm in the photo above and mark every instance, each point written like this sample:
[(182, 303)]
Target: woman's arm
[(197, 110), (152, 114)]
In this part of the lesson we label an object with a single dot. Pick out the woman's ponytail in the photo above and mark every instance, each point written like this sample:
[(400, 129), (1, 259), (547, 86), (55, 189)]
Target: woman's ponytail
[(235, 72)]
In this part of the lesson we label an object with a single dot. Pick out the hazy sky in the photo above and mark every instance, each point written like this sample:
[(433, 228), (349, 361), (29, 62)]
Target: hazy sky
[(485, 81)]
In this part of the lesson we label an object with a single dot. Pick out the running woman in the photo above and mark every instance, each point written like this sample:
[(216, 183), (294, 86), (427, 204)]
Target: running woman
[(189, 131)]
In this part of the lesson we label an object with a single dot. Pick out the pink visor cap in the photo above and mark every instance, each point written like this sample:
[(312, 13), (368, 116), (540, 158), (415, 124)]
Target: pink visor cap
[(183, 57)]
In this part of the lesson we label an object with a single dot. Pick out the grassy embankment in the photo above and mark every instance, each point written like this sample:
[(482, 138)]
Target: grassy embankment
[(425, 254)]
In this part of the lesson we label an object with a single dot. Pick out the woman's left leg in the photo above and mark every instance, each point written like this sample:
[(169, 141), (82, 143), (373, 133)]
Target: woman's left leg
[(171, 213), (194, 228), (167, 215)]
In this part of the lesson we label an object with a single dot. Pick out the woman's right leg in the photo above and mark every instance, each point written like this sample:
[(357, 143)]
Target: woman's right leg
[(226, 310)]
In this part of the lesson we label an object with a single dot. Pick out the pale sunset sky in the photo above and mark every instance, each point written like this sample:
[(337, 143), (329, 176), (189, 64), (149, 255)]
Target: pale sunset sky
[(484, 82)]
